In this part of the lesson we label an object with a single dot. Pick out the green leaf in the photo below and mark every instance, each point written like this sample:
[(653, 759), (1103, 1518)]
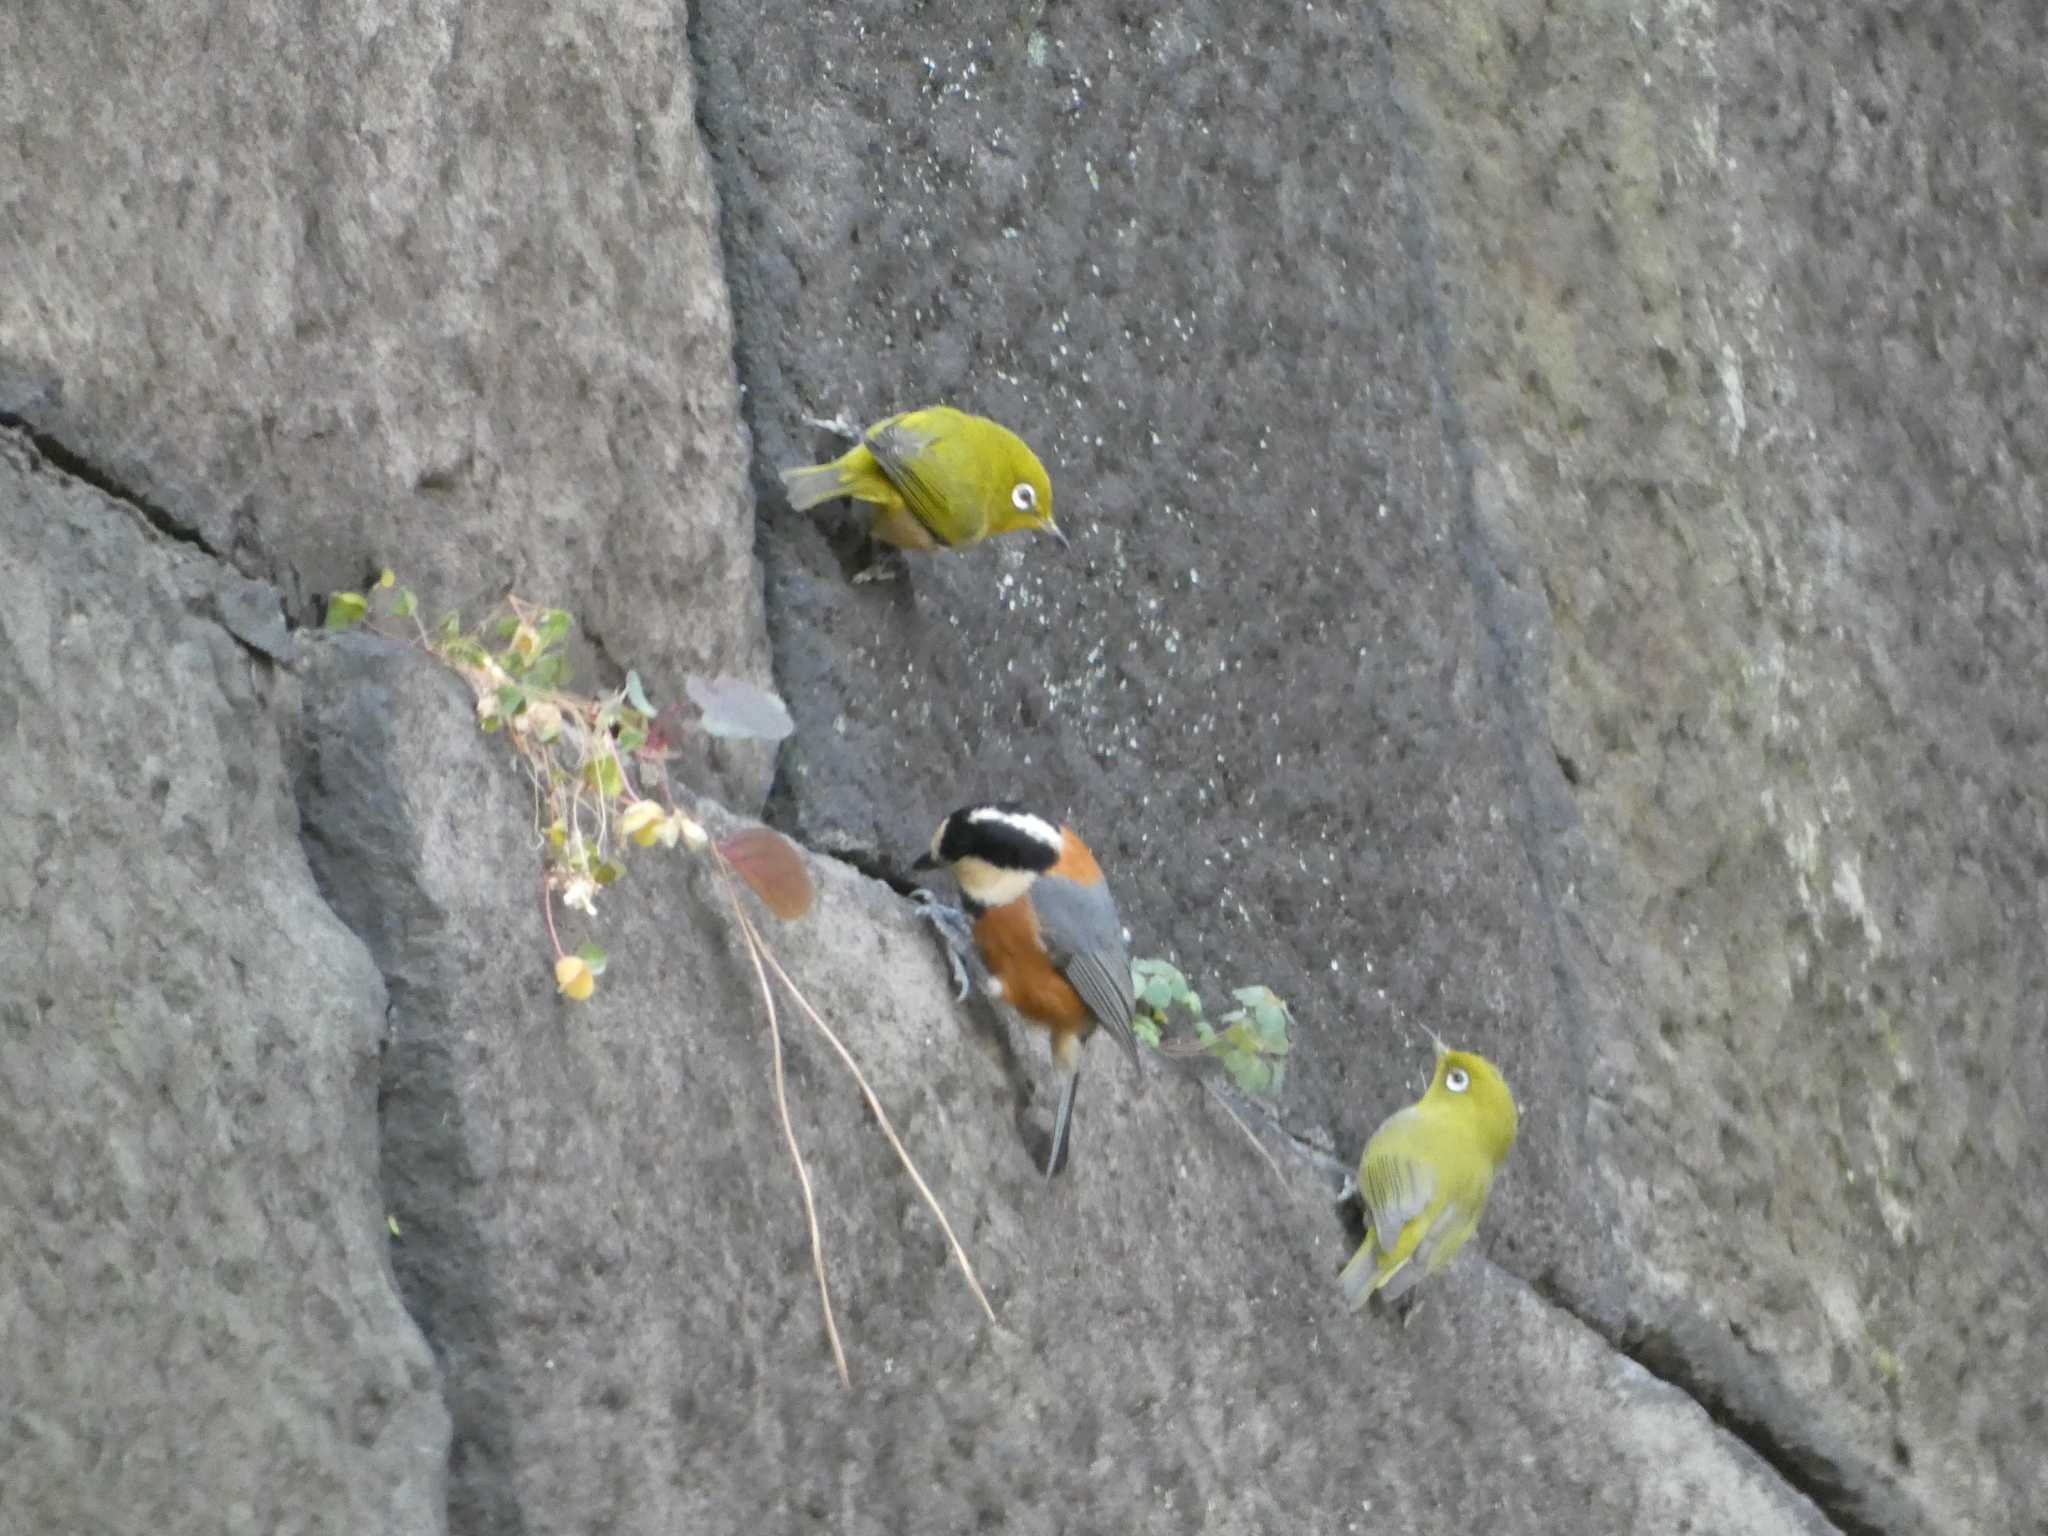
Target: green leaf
[(406, 604), (511, 699), (1251, 1074), (515, 665), (507, 627), (607, 871), (637, 696), (449, 629), (553, 627), (606, 776), (1158, 994), (1146, 970), (547, 671), (345, 610), (593, 957), (464, 652), (1147, 1031), (632, 738), (736, 709), (493, 723)]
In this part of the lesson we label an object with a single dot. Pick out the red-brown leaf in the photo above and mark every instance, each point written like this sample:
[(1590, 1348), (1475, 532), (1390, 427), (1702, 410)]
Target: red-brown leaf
[(769, 863)]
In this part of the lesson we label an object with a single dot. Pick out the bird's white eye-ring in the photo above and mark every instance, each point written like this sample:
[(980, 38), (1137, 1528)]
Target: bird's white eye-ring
[(1022, 497), (1457, 1080)]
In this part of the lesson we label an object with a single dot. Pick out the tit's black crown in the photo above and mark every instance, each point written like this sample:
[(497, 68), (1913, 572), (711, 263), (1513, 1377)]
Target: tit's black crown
[(1003, 833)]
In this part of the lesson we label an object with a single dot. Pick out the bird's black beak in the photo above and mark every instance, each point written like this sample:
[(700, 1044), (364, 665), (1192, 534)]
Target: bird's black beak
[(924, 861), (1053, 531)]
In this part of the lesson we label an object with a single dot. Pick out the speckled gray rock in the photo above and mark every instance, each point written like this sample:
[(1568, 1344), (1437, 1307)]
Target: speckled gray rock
[(1559, 557), (436, 289), (1258, 682), (604, 1242), (1744, 325), (198, 1319)]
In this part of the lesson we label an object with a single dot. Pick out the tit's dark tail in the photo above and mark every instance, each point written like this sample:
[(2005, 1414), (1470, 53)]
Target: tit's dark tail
[(1063, 1124)]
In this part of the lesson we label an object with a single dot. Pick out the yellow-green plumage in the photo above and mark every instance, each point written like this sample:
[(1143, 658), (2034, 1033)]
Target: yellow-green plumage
[(935, 477), (1425, 1176)]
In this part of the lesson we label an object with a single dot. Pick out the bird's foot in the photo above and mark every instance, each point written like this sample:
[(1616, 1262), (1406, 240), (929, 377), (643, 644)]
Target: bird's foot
[(962, 958), (888, 565), (837, 425)]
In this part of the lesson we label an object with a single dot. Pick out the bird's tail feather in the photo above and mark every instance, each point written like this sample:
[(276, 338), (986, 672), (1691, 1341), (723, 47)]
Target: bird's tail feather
[(1360, 1278), (815, 483), (1062, 1125)]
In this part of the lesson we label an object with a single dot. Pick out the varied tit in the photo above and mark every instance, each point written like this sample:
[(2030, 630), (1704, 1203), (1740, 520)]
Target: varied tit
[(1045, 931), (937, 478), (1425, 1176)]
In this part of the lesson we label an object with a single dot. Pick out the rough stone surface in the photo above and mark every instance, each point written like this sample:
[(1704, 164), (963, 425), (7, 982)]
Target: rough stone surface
[(605, 1245), (197, 1316), (1672, 735), (1744, 328), (1258, 683), (1558, 559), (331, 287)]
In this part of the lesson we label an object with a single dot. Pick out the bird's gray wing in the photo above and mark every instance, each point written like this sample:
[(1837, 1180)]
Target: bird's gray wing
[(901, 450), (1085, 938)]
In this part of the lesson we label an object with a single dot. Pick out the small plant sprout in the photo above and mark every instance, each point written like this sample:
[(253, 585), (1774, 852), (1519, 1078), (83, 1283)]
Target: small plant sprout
[(1251, 1041), (588, 757), (1160, 988), (592, 760)]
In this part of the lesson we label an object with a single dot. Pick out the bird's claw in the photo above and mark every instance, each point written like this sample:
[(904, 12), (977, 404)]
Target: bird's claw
[(953, 927), (837, 425)]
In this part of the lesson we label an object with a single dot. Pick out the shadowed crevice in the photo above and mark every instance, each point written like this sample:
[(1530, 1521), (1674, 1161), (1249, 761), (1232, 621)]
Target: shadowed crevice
[(76, 465), (1742, 1396)]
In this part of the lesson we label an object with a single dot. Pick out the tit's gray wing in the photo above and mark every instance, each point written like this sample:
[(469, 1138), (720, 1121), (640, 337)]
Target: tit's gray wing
[(1085, 938)]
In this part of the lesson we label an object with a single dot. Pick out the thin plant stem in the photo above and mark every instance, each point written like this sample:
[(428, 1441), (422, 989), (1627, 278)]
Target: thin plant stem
[(875, 1104), (754, 952), (547, 907), (1249, 1134)]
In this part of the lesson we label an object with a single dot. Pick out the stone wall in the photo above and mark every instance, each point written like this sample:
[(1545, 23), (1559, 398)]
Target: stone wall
[(1557, 560)]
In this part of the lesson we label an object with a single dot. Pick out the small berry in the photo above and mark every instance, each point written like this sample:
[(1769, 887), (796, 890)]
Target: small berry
[(574, 978)]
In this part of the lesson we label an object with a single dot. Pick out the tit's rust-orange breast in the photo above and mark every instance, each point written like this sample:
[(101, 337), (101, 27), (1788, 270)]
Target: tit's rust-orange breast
[(1011, 948)]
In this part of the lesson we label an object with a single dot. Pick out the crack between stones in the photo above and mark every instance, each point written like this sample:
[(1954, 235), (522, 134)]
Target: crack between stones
[(61, 456), (1661, 1354), (319, 849)]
